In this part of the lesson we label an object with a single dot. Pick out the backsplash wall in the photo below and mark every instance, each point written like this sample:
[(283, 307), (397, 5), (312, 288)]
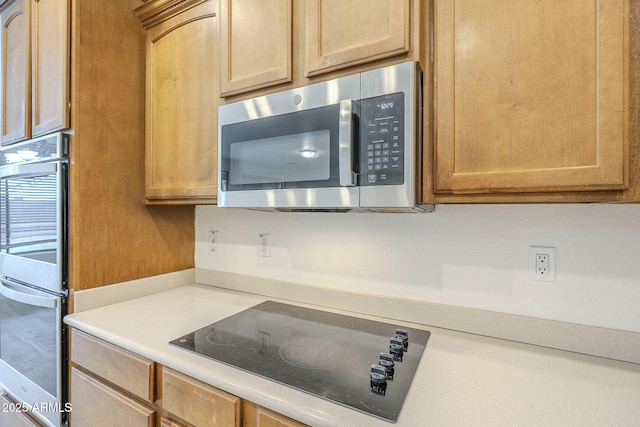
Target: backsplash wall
[(473, 256)]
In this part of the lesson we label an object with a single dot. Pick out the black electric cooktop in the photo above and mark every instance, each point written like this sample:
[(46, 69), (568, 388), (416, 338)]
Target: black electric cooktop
[(362, 364)]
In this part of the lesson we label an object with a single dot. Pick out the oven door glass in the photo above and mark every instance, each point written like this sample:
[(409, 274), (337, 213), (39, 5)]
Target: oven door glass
[(295, 150), (31, 233), (31, 344)]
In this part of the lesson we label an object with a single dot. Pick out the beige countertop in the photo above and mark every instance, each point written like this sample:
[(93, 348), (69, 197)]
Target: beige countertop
[(463, 379)]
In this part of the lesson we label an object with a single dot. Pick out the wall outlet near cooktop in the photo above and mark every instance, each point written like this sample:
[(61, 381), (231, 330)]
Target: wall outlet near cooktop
[(542, 263), (264, 247), (214, 237)]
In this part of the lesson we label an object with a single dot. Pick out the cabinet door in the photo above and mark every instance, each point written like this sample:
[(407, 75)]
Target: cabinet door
[(50, 44), (181, 107), (257, 416), (127, 370), (97, 404), (343, 33), (16, 99), (255, 44), (198, 403), (530, 96), (165, 422)]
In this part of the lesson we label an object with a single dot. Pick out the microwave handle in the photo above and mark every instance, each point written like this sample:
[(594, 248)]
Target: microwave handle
[(345, 142)]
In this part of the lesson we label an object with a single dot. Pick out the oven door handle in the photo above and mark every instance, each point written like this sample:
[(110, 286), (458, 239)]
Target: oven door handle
[(9, 290), (345, 142), (29, 170)]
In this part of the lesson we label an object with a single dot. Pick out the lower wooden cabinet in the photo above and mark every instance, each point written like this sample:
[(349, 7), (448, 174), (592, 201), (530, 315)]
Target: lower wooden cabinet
[(257, 416), (95, 403), (165, 422), (198, 403), (111, 386)]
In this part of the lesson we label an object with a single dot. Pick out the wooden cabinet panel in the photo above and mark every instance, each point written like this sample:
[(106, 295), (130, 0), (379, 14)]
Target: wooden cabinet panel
[(530, 96), (165, 422), (96, 404), (50, 44), (344, 33), (255, 44), (182, 95), (198, 403), (257, 416), (16, 98), (116, 365)]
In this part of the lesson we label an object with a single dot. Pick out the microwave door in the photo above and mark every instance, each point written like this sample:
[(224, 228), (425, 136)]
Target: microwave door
[(300, 160)]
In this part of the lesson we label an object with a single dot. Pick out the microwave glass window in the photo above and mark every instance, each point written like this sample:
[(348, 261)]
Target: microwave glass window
[(281, 159), (294, 150)]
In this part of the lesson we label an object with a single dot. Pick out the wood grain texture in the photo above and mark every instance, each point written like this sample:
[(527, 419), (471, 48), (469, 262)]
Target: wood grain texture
[(50, 47), (257, 416), (182, 96), (632, 193), (255, 44), (15, 73), (133, 373), (113, 236), (531, 96), (198, 403), (342, 34), (95, 404)]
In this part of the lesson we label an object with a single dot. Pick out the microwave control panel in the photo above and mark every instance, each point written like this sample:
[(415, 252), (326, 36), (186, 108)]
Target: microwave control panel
[(382, 139)]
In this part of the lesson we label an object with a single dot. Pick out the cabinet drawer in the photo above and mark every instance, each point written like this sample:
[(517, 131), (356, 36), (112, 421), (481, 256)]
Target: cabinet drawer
[(133, 373), (96, 404), (257, 416), (198, 403), (165, 422)]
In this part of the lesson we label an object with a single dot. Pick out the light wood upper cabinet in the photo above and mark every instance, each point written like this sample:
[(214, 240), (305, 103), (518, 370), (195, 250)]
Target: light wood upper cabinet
[(35, 87), (16, 86), (342, 33), (255, 44), (530, 96), (50, 65), (182, 95)]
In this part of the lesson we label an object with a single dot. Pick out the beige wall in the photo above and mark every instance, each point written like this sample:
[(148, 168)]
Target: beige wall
[(466, 255)]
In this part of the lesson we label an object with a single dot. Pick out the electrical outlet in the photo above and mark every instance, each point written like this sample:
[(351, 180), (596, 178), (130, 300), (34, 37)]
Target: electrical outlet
[(542, 263), (264, 247), (214, 237)]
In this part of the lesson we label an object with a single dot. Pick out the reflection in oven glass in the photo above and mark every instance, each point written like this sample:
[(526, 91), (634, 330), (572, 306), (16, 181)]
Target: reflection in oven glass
[(28, 341)]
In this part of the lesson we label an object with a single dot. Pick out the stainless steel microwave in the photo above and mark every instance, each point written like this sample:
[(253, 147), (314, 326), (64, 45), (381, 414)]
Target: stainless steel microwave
[(349, 144)]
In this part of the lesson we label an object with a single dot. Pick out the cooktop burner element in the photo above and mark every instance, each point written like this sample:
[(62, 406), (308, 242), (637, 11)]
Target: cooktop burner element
[(362, 364)]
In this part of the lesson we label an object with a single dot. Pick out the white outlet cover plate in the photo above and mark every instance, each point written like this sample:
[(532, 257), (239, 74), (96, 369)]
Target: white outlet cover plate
[(533, 275)]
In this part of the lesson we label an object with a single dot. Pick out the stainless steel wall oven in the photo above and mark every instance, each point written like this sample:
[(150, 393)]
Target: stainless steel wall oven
[(34, 274)]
